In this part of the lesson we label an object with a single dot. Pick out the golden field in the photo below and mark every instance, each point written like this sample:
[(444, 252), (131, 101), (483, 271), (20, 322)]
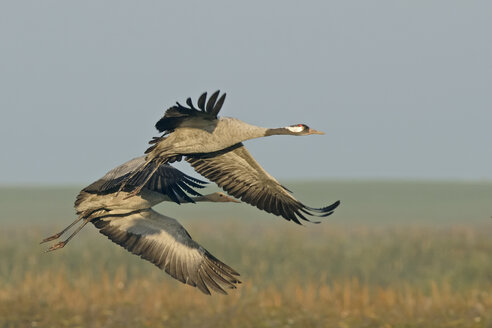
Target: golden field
[(393, 255)]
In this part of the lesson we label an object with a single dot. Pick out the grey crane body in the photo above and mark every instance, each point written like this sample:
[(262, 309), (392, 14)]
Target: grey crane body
[(198, 135), (102, 195), (119, 203)]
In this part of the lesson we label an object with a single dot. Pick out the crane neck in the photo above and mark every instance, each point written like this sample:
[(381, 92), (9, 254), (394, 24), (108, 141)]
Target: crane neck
[(277, 131), (200, 199), (195, 199)]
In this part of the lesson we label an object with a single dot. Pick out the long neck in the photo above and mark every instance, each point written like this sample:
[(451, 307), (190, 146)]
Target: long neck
[(200, 199), (196, 199), (247, 131), (233, 130), (277, 131)]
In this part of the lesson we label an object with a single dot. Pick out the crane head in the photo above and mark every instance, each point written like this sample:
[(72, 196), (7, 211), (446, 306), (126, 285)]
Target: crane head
[(302, 130)]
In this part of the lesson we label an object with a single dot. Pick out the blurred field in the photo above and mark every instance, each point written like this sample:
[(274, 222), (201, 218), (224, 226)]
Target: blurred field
[(395, 254)]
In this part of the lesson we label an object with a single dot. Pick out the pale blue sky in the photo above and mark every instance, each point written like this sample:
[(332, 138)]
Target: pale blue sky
[(403, 89)]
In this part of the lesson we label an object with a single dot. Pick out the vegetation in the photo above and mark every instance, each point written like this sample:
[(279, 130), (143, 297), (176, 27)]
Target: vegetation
[(335, 274)]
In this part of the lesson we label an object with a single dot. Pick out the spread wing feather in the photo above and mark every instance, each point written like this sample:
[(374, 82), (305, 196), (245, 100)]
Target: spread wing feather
[(166, 180), (175, 115), (236, 171), (164, 242)]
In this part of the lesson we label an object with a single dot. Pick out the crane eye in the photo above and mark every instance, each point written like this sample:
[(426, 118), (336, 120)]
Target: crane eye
[(300, 125)]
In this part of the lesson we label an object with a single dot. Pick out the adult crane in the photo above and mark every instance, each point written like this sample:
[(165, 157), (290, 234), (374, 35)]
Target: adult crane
[(214, 147), (134, 225)]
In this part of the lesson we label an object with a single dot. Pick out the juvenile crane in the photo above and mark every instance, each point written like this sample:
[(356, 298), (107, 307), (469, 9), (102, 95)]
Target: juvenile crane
[(132, 224), (213, 146)]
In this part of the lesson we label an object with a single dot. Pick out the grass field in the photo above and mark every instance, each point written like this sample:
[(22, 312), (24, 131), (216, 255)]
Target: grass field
[(395, 254)]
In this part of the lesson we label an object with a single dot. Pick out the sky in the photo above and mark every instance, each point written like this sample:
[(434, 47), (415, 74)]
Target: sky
[(403, 89)]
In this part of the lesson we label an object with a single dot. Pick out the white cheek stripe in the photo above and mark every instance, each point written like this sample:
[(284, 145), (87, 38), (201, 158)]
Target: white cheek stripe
[(295, 128)]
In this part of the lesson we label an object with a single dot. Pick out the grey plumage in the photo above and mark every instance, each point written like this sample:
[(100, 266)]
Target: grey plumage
[(166, 181), (131, 223), (164, 242), (213, 146), (177, 114), (237, 172), (120, 203)]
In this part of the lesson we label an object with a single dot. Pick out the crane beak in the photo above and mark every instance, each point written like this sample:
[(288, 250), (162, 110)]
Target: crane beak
[(233, 200), (313, 131)]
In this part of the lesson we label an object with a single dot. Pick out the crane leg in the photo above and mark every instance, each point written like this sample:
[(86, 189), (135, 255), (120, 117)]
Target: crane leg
[(61, 244), (57, 235)]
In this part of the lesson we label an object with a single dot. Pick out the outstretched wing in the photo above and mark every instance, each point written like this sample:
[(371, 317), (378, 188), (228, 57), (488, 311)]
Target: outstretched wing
[(166, 180), (175, 115), (164, 242), (237, 172)]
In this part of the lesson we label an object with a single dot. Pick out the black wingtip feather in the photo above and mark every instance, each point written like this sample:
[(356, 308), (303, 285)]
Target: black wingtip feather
[(179, 191), (316, 212), (190, 103), (325, 209), (199, 182), (173, 196), (188, 189), (178, 113), (211, 101), (201, 101), (218, 105)]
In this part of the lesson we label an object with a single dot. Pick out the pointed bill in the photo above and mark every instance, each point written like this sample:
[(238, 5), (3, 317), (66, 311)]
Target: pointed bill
[(313, 131)]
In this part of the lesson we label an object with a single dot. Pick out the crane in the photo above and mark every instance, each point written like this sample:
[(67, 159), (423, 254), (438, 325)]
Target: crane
[(214, 147), (134, 225)]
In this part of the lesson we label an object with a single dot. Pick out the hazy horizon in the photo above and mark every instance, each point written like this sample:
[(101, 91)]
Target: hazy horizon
[(285, 181)]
